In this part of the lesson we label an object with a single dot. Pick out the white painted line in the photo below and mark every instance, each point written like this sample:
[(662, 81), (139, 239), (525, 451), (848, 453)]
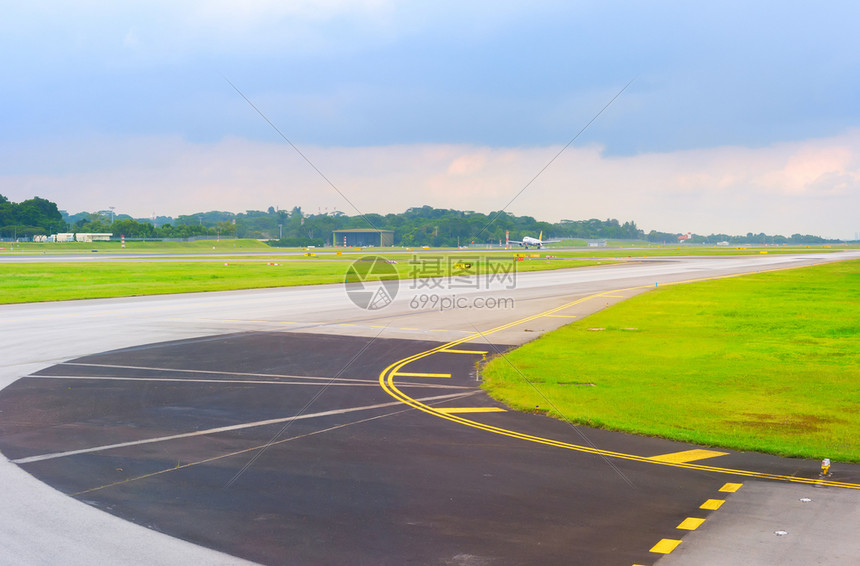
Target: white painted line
[(214, 372), (343, 382), (43, 457), (332, 381)]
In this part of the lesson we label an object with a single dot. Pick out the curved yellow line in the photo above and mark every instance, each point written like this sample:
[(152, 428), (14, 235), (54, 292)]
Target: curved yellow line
[(386, 381)]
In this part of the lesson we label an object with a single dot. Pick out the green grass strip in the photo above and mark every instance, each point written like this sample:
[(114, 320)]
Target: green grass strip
[(767, 363), (49, 281)]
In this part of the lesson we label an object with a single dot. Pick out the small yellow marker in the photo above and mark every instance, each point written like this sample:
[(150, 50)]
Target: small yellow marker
[(665, 546), (690, 524), (731, 487), (712, 504)]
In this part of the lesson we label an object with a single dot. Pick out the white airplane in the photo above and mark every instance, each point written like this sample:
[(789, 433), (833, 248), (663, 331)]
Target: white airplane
[(527, 241)]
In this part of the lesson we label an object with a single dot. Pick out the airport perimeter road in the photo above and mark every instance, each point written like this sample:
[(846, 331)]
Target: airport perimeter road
[(317, 332)]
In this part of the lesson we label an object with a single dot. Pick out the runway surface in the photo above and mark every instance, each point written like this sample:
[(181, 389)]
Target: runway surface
[(263, 429)]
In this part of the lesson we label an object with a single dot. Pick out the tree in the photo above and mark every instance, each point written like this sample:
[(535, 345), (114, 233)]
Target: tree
[(30, 217)]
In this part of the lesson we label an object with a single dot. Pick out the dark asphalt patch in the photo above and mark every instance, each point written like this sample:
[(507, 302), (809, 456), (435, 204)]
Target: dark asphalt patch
[(385, 485)]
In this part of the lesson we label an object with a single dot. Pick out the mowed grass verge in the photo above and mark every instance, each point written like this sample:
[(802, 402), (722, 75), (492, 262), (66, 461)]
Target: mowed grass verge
[(767, 362), (37, 282)]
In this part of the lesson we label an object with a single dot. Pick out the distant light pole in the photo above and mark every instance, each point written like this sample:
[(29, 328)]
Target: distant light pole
[(280, 231), (112, 208)]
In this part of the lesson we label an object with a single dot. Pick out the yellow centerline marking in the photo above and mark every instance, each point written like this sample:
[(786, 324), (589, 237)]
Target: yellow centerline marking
[(386, 381), (690, 524), (451, 410), (481, 352), (420, 374), (712, 504), (665, 546), (688, 456)]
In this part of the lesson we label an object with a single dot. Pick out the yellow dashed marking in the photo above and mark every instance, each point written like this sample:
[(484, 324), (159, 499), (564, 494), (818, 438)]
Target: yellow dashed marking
[(665, 546), (451, 410), (731, 487), (690, 524), (712, 504), (419, 374), (688, 456)]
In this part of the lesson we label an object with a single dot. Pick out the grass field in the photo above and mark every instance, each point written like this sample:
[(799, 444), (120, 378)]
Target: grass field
[(48, 281), (615, 248), (56, 281), (767, 362)]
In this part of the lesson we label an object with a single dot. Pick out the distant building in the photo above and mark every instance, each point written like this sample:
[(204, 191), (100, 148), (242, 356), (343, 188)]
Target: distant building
[(80, 237), (361, 237), (92, 237)]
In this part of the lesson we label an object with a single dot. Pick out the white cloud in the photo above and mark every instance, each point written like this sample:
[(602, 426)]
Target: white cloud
[(811, 186)]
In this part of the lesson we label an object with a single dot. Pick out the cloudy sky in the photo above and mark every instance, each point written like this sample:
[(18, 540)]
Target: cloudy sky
[(742, 116)]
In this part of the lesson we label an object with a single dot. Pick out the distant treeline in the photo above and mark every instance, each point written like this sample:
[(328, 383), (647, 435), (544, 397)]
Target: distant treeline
[(418, 226), (29, 218)]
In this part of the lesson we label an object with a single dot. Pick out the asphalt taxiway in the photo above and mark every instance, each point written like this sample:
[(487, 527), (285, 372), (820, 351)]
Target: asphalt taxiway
[(201, 437)]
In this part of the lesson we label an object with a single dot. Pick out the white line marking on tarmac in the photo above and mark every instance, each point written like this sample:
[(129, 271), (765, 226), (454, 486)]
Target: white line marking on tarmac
[(215, 372), (43, 457), (236, 453), (194, 380), (331, 381)]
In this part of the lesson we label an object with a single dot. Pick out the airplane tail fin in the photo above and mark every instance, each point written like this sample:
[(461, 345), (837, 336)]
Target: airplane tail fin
[(540, 236)]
